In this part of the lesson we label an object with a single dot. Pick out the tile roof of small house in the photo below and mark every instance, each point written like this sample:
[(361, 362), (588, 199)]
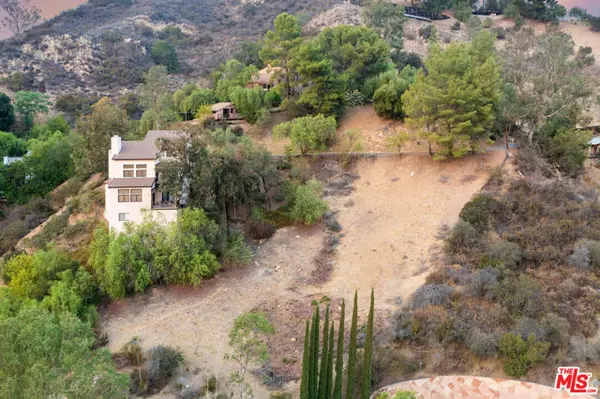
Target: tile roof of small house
[(265, 75), (144, 149), (131, 182), (219, 106)]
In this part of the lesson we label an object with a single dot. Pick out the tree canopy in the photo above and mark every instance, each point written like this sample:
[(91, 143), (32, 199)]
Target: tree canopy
[(7, 113)]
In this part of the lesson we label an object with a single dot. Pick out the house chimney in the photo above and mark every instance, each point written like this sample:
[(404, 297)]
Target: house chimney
[(115, 144)]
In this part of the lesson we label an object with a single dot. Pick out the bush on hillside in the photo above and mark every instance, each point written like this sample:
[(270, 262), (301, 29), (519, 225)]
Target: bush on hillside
[(506, 252), (431, 295), (308, 207)]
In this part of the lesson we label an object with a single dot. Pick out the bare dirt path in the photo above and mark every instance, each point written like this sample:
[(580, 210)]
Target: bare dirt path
[(389, 224)]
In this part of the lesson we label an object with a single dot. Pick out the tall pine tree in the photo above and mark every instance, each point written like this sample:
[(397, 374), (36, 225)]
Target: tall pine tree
[(351, 387), (366, 372), (339, 357)]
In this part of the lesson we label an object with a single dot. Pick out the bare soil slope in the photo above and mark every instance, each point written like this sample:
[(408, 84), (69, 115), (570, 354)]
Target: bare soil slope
[(389, 224)]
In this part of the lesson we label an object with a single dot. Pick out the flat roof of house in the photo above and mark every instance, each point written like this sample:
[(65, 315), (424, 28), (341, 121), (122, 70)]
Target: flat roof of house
[(144, 149), (131, 182), (219, 106)]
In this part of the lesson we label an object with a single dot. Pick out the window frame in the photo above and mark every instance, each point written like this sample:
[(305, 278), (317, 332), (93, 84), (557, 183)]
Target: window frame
[(123, 195), (135, 195)]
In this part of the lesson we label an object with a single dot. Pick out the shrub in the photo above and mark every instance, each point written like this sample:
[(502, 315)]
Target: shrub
[(580, 351), (488, 23), (522, 296), (586, 254), (506, 252), (354, 99), (260, 229), (477, 211), (426, 31), (163, 53), (521, 354), (464, 13), (431, 295), (237, 252), (500, 33), (308, 207), (463, 236), (483, 282), (162, 363), (482, 344), (455, 26)]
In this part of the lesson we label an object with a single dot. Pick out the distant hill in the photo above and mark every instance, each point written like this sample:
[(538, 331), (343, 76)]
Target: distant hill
[(102, 47)]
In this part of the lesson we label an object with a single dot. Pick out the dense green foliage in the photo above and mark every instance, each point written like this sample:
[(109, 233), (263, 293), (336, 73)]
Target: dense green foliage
[(388, 97), (50, 354), (28, 104), (318, 371), (453, 104), (163, 53), (11, 146), (183, 252), (7, 113), (308, 207), (308, 133)]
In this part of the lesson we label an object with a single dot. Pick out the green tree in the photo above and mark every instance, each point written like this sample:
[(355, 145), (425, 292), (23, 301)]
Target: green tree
[(248, 102), (247, 338), (249, 54), (453, 105), (48, 164), (155, 96), (11, 146), (351, 368), (126, 269), (519, 355), (28, 104), (323, 389), (308, 133), (308, 206), (388, 97), (368, 352), (388, 20), (197, 99), (280, 44), (51, 355), (339, 356), (163, 53), (229, 76), (93, 136), (7, 113), (437, 6)]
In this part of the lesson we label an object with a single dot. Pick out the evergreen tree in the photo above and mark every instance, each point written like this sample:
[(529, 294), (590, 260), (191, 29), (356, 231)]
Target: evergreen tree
[(366, 372), (339, 360), (305, 364), (314, 356), (351, 386), (330, 362), (7, 113), (324, 358)]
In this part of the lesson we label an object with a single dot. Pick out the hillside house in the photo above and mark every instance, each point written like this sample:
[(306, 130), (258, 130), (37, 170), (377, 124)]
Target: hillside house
[(133, 186), (594, 147), (225, 112), (267, 78)]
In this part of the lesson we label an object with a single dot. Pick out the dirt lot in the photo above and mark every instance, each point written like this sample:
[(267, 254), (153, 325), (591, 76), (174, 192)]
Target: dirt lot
[(389, 243)]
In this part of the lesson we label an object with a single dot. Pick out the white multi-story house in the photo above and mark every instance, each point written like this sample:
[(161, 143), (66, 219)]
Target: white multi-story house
[(133, 186)]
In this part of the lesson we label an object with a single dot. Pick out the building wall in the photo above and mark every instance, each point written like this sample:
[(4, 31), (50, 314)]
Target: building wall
[(115, 167), (164, 215), (134, 209)]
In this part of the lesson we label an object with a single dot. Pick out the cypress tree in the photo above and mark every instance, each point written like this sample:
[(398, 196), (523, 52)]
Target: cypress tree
[(339, 359), (351, 387), (313, 390), (305, 364), (330, 361), (366, 382), (324, 358)]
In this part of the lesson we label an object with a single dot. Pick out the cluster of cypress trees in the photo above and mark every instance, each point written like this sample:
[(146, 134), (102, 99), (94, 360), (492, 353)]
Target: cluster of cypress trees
[(318, 380)]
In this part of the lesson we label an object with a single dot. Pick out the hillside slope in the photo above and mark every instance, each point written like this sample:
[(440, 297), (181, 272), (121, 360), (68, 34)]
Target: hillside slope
[(102, 47)]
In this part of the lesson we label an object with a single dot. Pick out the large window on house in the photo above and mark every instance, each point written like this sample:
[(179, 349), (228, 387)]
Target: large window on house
[(140, 170), (130, 195), (124, 195), (136, 195), (128, 170)]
